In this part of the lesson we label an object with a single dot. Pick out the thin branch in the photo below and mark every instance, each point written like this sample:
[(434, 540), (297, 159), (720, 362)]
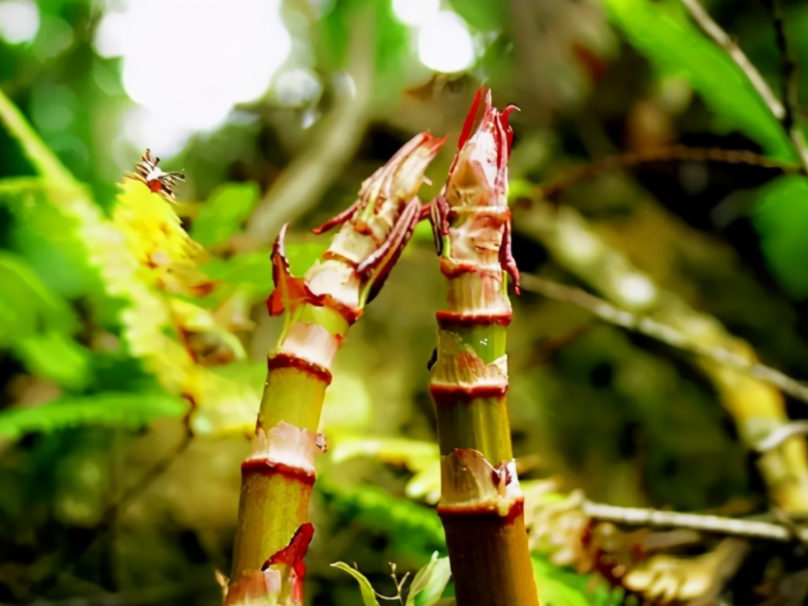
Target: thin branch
[(780, 435), (713, 31), (788, 68), (783, 112), (636, 516), (668, 335), (148, 478), (669, 153), (789, 81), (130, 496)]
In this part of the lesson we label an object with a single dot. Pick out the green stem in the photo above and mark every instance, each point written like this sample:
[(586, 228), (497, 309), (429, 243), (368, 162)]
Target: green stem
[(481, 503)]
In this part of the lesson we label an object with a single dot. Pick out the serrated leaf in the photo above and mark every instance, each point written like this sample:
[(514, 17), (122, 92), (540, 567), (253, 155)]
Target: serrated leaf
[(428, 584), (663, 32), (129, 410), (224, 212), (368, 595), (780, 217)]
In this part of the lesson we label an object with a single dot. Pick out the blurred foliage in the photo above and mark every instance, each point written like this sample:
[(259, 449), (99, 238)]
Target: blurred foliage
[(126, 322)]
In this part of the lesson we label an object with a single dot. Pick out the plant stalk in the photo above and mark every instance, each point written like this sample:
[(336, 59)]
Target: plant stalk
[(273, 530), (481, 503)]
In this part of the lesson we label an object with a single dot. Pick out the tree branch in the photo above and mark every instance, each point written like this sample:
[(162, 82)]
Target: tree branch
[(670, 336)]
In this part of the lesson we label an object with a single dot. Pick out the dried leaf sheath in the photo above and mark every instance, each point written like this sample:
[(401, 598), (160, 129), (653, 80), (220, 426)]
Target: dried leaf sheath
[(277, 478), (481, 503)]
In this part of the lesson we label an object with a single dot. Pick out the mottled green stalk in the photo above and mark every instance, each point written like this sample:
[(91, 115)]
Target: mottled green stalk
[(273, 529), (481, 503)]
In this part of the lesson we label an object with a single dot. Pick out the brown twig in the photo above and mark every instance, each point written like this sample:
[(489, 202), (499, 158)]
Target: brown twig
[(672, 153), (670, 336)]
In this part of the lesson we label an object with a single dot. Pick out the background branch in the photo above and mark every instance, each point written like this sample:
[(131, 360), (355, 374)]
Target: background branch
[(638, 516), (783, 111), (665, 334), (671, 153)]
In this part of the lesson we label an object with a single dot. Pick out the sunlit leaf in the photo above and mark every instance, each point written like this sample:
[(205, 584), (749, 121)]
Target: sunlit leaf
[(425, 484), (224, 212), (416, 455), (781, 217), (368, 595), (563, 587), (130, 410), (429, 582), (663, 32)]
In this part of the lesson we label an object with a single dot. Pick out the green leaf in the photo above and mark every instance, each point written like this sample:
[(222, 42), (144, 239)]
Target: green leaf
[(351, 22), (781, 217), (254, 269), (412, 528), (27, 306), (368, 595), (563, 587), (663, 32), (302, 255), (429, 582), (484, 15), (18, 185), (106, 409), (224, 213), (41, 157), (56, 356), (46, 236)]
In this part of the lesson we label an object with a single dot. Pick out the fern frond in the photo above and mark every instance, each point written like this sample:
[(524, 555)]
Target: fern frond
[(155, 236), (105, 409)]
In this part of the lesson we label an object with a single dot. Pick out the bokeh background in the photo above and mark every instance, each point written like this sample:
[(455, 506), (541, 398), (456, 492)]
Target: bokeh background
[(277, 110)]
